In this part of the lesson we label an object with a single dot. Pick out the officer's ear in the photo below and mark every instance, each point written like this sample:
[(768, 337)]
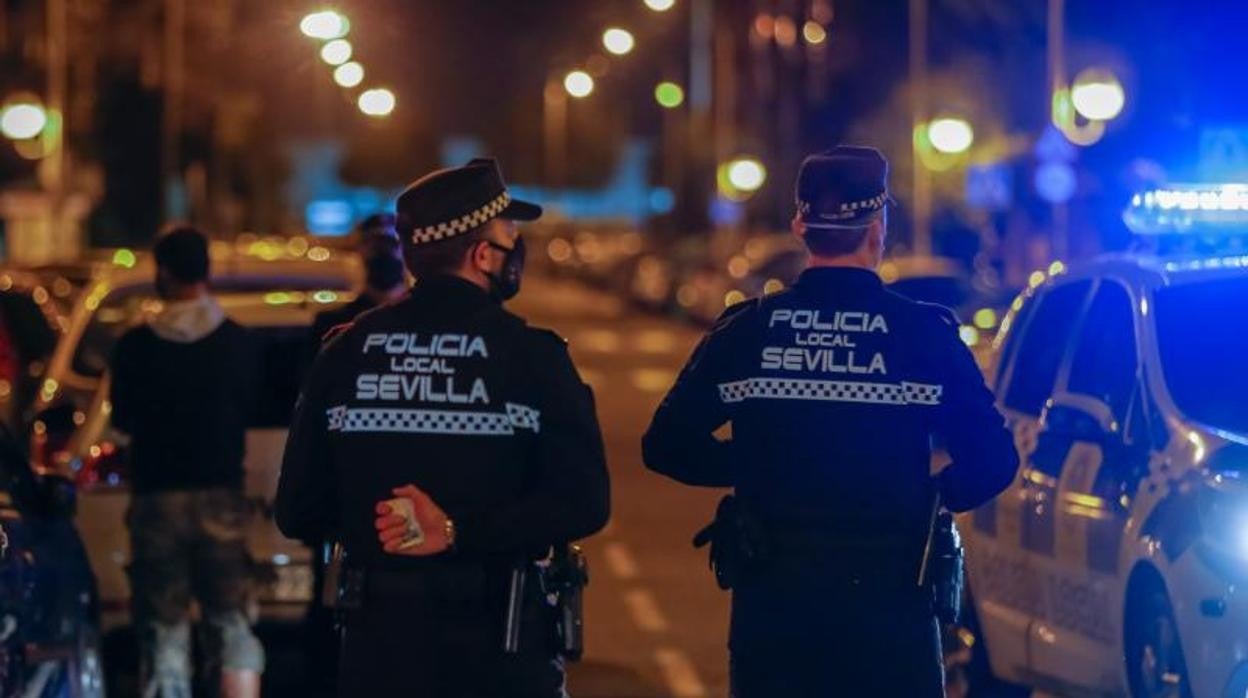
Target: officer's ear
[(798, 228)]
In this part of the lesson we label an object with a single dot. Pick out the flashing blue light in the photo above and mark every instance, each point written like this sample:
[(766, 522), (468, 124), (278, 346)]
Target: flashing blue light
[(1183, 209), (1056, 182)]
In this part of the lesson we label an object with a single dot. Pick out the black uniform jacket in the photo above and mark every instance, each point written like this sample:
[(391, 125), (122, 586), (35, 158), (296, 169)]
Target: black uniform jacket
[(834, 390), (450, 392)]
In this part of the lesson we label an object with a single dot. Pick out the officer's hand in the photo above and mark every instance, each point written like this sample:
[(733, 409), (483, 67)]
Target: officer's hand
[(391, 527)]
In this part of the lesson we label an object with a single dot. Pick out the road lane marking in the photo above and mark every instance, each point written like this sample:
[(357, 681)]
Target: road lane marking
[(682, 678), (653, 380), (655, 342), (645, 610), (604, 341), (620, 561)]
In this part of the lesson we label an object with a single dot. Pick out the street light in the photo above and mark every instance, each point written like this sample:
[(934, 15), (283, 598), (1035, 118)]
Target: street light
[(336, 52), (579, 84), (669, 95), (377, 102), (349, 74), (660, 5), (1097, 95), (950, 135), (22, 121), (747, 174), (325, 25), (618, 41)]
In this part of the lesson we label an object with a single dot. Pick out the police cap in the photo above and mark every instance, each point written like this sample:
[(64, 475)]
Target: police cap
[(451, 202), (845, 187)]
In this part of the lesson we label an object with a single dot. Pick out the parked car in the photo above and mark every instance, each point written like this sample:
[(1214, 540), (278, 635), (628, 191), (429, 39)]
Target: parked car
[(277, 300), (1116, 562), (49, 613)]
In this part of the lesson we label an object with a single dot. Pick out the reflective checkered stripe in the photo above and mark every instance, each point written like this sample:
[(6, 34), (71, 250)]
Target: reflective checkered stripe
[(904, 393), (464, 223), (414, 421)]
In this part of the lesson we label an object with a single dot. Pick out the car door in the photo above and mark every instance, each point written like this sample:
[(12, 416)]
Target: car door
[(1093, 440), (1003, 533)]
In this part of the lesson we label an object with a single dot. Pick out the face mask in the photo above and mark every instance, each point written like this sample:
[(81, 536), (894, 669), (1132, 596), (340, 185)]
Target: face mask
[(505, 284), (383, 272)]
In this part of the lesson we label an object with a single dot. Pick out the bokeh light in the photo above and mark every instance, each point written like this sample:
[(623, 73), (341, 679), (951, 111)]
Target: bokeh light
[(336, 52), (377, 102), (325, 25), (23, 120), (950, 135), (618, 41), (660, 5), (349, 74), (669, 95), (747, 174), (814, 33), (1098, 95), (579, 84)]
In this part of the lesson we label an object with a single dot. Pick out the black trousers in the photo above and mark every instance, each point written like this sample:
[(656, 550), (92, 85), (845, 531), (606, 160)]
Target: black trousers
[(825, 641), (443, 638)]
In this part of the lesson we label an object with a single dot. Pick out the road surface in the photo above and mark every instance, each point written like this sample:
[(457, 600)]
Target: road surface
[(656, 624)]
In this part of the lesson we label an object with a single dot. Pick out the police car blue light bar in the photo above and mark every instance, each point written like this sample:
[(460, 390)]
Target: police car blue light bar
[(1190, 208)]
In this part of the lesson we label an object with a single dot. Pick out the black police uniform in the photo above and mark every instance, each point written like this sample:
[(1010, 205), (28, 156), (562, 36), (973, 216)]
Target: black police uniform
[(446, 390), (834, 389)]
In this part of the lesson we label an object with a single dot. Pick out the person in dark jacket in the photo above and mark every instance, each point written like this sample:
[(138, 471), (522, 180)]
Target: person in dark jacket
[(480, 424), (834, 390), (385, 278), (183, 389)]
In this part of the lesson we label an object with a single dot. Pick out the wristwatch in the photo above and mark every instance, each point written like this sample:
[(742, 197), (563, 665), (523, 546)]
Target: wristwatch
[(448, 532)]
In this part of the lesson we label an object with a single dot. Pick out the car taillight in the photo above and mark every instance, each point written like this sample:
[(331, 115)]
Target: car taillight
[(104, 465)]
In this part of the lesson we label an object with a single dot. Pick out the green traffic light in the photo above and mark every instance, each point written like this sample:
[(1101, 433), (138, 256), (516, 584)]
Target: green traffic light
[(669, 95)]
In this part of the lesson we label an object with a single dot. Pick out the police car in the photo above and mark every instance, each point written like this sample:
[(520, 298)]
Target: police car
[(274, 289), (1117, 562)]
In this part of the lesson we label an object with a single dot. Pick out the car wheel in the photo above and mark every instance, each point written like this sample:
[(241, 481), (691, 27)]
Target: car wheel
[(1156, 667)]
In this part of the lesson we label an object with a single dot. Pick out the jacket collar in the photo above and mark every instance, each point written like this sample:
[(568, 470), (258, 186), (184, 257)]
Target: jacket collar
[(826, 278)]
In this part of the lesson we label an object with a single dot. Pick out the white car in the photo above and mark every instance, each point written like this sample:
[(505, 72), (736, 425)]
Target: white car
[(1117, 562), (277, 300)]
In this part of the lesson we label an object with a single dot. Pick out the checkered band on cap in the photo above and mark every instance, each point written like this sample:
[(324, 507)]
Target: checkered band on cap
[(849, 209), (464, 223), (904, 393)]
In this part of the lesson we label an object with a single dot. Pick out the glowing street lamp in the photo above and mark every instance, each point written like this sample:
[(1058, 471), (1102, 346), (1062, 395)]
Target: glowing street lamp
[(950, 135), (336, 52), (618, 41), (579, 84), (660, 5), (747, 174), (669, 95), (22, 121), (349, 74), (376, 102), (1097, 95), (325, 25)]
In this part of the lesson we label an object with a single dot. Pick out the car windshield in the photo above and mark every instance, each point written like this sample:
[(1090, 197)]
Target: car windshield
[(1202, 348)]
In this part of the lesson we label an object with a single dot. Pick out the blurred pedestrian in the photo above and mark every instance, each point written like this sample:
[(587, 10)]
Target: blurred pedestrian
[(834, 390), (385, 278), (451, 446), (183, 388)]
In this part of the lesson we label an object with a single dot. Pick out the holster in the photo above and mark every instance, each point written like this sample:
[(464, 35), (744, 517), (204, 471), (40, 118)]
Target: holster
[(557, 584), (343, 589), (737, 542), (943, 564)]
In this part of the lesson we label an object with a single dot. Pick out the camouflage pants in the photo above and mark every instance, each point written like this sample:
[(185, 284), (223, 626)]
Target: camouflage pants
[(190, 545)]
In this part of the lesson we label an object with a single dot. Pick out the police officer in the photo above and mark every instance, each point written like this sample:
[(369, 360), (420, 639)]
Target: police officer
[(834, 390), (481, 424)]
